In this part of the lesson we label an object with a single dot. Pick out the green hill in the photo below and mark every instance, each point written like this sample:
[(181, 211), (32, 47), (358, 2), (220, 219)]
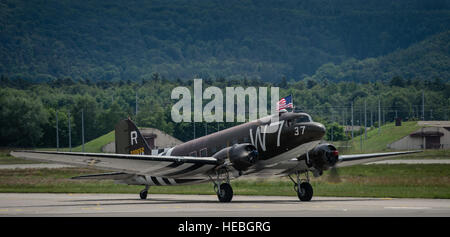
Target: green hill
[(428, 59), (131, 40), (97, 144), (377, 142), (93, 145)]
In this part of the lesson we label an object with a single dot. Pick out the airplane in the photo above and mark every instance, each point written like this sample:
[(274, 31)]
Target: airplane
[(289, 146)]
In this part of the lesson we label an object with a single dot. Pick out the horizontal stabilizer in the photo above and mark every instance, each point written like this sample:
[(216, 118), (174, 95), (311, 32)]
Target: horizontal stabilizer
[(113, 176)]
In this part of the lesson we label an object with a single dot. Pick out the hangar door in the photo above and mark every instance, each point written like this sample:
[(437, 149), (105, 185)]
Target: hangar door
[(433, 142)]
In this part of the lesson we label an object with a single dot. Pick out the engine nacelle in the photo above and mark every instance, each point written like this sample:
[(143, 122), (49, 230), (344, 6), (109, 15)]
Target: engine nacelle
[(323, 156), (241, 156)]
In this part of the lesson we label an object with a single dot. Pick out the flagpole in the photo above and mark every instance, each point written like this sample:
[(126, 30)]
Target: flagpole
[(293, 107)]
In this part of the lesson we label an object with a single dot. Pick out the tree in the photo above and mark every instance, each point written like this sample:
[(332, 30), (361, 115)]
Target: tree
[(109, 118), (21, 119), (397, 81), (335, 131)]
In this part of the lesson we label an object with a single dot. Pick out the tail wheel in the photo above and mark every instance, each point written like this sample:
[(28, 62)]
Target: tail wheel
[(225, 193), (143, 194), (305, 193)]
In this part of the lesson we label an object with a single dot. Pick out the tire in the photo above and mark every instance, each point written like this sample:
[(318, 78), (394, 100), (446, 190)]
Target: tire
[(226, 193), (143, 194), (307, 192)]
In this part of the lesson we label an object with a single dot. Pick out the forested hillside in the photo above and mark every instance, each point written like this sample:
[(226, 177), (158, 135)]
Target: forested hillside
[(268, 40), (425, 60)]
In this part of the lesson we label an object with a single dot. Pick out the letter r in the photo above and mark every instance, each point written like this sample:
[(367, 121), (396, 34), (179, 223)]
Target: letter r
[(133, 135)]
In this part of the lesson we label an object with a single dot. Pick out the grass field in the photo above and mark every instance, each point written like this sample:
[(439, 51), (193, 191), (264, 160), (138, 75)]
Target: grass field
[(414, 181)]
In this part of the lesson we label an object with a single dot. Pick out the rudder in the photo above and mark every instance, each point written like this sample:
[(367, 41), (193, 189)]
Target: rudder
[(129, 139)]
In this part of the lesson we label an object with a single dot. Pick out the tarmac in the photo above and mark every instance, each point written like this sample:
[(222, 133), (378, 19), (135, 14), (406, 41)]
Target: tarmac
[(162, 205)]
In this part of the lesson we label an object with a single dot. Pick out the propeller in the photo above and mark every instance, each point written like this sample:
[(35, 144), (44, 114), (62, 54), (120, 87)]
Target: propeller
[(333, 176)]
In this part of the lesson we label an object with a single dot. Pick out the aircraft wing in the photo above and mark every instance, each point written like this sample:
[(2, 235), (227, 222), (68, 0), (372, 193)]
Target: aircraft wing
[(137, 164), (347, 160)]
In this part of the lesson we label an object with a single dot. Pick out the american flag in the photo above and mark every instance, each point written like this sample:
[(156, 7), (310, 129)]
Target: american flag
[(285, 102)]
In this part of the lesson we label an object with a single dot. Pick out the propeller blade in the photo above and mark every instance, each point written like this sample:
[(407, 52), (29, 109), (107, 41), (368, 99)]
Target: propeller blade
[(333, 177)]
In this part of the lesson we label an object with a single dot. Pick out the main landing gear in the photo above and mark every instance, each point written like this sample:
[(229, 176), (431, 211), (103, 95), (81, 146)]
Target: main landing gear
[(144, 192), (302, 187), (222, 186)]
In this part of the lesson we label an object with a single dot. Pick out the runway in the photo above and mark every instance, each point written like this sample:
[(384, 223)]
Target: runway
[(162, 205)]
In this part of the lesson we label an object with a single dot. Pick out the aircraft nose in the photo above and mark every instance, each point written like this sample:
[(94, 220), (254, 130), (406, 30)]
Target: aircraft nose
[(319, 130)]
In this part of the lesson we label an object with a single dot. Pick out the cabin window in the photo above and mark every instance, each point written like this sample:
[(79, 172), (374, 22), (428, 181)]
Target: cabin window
[(204, 152), (194, 153)]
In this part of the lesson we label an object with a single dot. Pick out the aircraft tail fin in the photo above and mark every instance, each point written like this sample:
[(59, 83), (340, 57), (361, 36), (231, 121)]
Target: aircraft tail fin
[(129, 139)]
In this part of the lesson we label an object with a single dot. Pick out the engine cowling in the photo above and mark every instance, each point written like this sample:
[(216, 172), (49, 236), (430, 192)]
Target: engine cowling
[(323, 157), (241, 156)]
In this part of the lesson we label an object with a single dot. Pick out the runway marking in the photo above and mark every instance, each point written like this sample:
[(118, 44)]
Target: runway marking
[(97, 207), (411, 208), (92, 208), (8, 210)]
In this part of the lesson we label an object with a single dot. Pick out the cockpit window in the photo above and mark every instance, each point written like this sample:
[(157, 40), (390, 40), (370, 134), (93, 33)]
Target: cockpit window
[(288, 123), (303, 119)]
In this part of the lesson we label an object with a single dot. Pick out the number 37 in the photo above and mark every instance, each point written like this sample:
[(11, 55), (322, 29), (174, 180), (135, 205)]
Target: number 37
[(297, 130)]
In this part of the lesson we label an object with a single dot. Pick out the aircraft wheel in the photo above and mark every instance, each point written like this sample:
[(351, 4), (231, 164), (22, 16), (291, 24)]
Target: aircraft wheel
[(225, 194), (143, 194), (305, 192)]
